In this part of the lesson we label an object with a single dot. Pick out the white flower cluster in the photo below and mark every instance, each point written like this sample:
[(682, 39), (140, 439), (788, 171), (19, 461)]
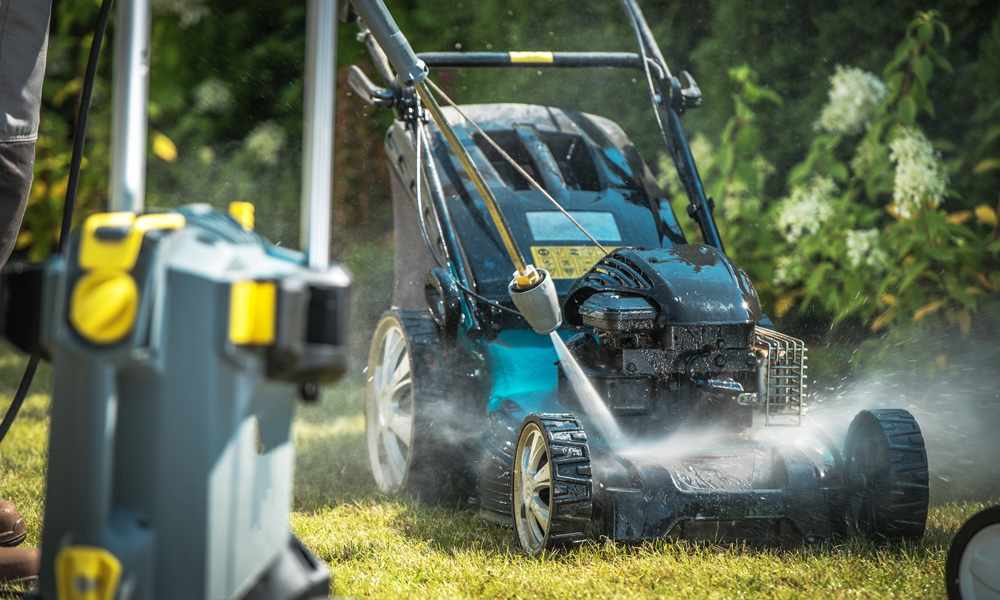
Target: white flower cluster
[(189, 11), (788, 270), (807, 208), (266, 141), (920, 177), (863, 249), (854, 95), (213, 96)]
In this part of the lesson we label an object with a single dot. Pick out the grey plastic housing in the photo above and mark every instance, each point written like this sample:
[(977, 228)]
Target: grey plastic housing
[(538, 304)]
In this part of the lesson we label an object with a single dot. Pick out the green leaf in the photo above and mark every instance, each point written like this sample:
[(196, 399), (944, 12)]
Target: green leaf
[(925, 32), (725, 159), (991, 135), (939, 61), (923, 68), (987, 164), (838, 171), (907, 109), (771, 96), (894, 83), (900, 58), (747, 173), (799, 173)]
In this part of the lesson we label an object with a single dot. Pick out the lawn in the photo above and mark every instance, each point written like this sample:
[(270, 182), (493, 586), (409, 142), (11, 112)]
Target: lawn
[(383, 548)]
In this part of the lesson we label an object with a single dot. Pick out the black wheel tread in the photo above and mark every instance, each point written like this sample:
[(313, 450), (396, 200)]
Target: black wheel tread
[(905, 514), (571, 505)]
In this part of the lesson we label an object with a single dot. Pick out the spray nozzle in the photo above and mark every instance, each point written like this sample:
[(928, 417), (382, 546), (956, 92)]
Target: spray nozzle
[(534, 294)]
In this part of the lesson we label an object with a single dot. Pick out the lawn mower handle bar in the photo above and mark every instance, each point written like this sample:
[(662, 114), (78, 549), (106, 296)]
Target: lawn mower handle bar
[(626, 60)]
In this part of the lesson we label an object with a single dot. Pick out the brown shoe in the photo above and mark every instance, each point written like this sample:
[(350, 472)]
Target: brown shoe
[(19, 564), (12, 528)]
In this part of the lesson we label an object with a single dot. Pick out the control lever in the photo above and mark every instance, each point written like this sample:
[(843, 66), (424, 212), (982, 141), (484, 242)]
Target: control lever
[(369, 92), (692, 93)]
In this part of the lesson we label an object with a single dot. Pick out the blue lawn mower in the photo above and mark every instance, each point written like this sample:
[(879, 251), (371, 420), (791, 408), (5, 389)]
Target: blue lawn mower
[(625, 383)]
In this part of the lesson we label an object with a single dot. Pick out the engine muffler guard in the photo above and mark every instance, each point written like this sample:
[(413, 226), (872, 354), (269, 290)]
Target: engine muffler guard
[(751, 493)]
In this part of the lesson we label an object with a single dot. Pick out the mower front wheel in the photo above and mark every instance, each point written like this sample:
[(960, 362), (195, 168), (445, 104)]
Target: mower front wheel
[(885, 476), (551, 487)]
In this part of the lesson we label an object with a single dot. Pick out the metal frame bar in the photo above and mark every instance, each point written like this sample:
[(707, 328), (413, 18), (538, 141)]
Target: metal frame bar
[(317, 130), (129, 121)]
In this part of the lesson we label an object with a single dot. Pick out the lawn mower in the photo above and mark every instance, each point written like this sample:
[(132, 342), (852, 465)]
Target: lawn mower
[(624, 385)]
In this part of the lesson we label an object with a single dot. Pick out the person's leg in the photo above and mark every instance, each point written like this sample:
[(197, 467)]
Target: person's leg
[(24, 34), (17, 160)]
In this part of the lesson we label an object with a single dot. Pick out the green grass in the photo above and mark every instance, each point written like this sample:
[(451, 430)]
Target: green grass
[(385, 548)]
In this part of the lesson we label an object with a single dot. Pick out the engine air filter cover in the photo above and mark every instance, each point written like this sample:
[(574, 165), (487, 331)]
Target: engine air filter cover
[(610, 311), (683, 285)]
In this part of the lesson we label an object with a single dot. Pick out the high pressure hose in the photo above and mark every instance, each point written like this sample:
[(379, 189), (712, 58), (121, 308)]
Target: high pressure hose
[(79, 138)]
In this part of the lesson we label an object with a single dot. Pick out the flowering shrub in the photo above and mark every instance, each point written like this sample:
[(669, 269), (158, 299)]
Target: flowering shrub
[(854, 96), (864, 232), (920, 180)]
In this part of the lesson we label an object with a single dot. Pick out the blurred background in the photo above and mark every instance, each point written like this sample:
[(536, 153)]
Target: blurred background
[(852, 149)]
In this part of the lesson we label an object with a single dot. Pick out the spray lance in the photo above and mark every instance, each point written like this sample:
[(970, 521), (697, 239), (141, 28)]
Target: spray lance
[(531, 289)]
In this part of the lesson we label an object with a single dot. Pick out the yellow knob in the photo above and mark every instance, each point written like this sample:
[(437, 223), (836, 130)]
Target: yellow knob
[(243, 213), (104, 305)]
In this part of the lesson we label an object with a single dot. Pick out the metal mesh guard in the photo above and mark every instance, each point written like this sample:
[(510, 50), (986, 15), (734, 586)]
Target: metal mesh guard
[(783, 376)]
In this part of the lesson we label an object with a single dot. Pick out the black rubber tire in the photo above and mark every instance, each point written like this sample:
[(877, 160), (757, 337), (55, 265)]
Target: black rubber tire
[(885, 476), (953, 567), (567, 493), (432, 403)]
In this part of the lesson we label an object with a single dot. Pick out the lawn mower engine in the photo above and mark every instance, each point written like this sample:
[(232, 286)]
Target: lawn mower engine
[(674, 341)]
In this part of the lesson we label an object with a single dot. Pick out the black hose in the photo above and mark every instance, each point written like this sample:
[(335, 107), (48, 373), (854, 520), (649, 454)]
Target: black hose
[(79, 138), (19, 396)]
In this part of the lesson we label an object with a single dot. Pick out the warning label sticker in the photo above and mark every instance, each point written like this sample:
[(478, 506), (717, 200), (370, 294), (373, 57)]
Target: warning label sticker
[(567, 262)]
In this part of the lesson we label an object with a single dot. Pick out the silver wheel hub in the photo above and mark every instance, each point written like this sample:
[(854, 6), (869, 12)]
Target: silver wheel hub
[(390, 409), (533, 488), (979, 569)]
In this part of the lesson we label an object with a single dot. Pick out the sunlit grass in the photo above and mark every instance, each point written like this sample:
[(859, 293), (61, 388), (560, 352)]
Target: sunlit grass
[(378, 547)]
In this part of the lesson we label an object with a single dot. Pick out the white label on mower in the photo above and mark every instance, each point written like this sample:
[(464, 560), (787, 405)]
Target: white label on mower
[(553, 226), (567, 262)]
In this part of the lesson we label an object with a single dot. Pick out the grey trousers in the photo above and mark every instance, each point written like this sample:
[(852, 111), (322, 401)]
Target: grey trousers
[(24, 34)]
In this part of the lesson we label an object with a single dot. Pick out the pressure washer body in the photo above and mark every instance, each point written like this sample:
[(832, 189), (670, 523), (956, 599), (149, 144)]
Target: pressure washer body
[(676, 410), (181, 342)]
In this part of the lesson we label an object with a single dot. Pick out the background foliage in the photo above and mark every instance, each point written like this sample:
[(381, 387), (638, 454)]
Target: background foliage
[(225, 124)]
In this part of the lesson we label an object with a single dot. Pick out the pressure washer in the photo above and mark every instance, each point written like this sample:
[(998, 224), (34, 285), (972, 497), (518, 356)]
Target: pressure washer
[(695, 423), (180, 343)]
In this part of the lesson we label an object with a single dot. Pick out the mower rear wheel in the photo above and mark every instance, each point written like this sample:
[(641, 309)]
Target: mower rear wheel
[(551, 487), (414, 415), (971, 570), (885, 476)]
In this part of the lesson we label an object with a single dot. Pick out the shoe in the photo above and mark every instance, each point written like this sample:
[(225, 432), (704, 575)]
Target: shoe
[(19, 564), (12, 527)]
